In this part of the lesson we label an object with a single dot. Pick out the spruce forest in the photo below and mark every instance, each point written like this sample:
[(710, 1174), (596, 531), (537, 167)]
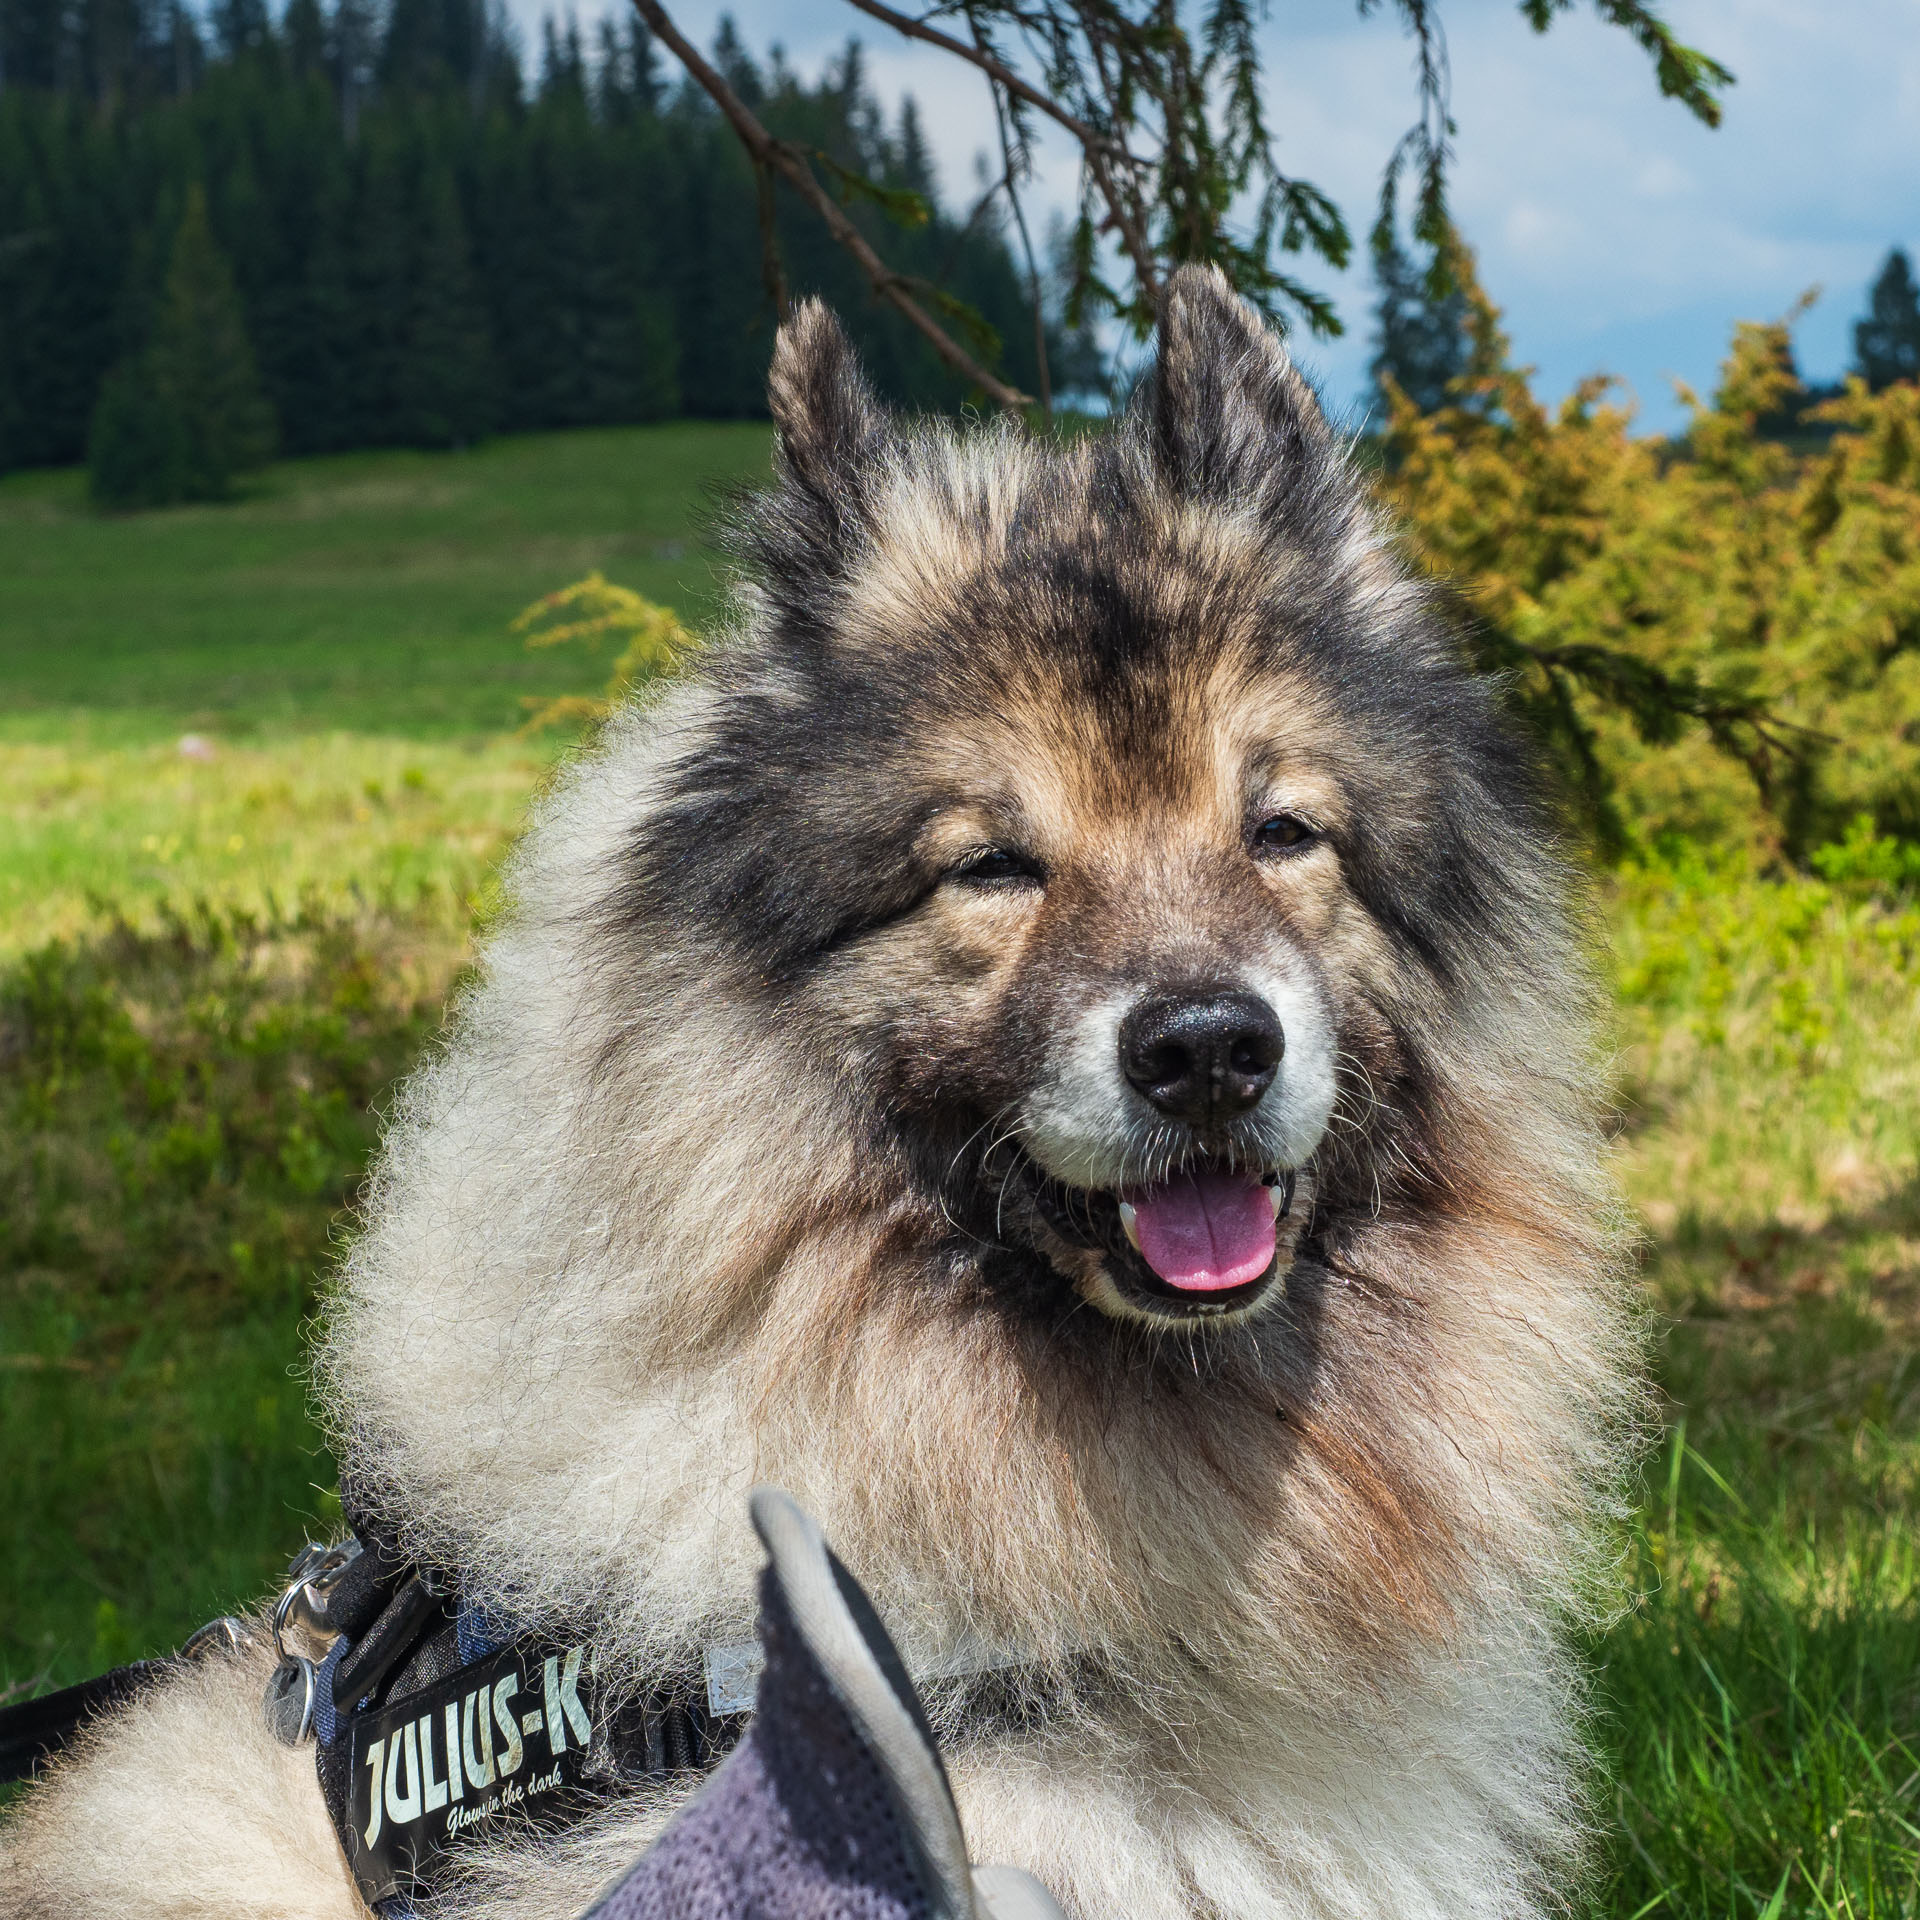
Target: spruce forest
[(426, 244)]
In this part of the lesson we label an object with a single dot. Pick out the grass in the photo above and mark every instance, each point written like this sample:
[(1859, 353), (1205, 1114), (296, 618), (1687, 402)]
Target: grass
[(331, 822), (186, 1091), (1760, 1695), (184, 1112), (365, 593)]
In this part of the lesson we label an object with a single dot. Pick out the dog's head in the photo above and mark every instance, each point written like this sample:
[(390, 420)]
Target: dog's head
[(1110, 814), (1062, 1042)]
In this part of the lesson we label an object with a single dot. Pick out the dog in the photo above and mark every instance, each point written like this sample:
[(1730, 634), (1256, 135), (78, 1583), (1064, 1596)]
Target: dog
[(1064, 1040)]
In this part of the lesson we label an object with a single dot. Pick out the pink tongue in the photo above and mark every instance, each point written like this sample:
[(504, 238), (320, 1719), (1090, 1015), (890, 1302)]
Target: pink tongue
[(1205, 1231)]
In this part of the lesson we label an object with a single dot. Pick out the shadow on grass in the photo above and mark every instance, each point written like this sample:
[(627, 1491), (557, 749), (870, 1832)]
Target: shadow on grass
[(1759, 1716), (1759, 1703), (183, 1119)]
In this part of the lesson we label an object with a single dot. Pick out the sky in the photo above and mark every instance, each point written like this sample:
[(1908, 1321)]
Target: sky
[(1618, 234)]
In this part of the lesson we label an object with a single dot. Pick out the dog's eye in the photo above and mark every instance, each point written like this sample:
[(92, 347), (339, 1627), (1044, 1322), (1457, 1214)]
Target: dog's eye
[(995, 867), (1282, 833)]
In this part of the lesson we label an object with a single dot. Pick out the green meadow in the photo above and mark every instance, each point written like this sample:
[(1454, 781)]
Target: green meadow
[(215, 963)]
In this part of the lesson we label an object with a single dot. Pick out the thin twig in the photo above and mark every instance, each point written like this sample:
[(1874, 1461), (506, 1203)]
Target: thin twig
[(994, 68), (1002, 112), (772, 273), (787, 160), (1101, 150)]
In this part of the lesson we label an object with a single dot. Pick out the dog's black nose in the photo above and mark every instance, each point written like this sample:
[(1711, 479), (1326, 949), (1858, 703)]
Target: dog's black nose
[(1203, 1058)]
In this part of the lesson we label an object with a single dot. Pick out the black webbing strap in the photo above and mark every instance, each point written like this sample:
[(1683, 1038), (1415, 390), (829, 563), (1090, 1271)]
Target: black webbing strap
[(399, 1634), (32, 1731)]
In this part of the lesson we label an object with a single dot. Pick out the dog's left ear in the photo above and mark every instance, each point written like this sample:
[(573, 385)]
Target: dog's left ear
[(1232, 418), (832, 428)]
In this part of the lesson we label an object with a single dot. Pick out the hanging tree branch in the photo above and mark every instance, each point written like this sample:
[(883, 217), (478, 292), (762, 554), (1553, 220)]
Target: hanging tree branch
[(995, 69), (1165, 100), (771, 156), (1104, 154)]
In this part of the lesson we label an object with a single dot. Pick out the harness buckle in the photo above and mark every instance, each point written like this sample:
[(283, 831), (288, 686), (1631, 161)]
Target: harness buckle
[(304, 1601)]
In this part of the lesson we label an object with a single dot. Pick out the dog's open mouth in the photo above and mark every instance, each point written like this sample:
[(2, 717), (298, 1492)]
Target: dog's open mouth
[(1203, 1241)]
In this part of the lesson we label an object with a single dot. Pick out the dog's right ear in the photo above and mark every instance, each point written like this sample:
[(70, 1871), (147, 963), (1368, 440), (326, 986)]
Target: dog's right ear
[(832, 428), (1232, 418)]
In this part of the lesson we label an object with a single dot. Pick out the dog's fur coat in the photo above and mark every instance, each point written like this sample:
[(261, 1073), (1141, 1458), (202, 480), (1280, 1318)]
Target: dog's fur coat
[(711, 1185)]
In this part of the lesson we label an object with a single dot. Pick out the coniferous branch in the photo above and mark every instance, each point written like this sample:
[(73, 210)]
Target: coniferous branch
[(983, 56), (1106, 158), (789, 161), (1427, 144), (1178, 162), (1684, 73), (901, 205)]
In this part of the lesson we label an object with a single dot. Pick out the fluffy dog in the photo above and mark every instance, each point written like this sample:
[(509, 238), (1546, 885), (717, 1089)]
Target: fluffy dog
[(1063, 1042)]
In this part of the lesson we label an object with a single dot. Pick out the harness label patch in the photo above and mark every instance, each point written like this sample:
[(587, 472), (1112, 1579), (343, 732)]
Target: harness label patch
[(500, 1737)]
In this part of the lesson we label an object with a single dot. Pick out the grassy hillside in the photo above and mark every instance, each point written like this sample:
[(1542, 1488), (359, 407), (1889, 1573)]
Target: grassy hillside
[(367, 593), (252, 947), (340, 642)]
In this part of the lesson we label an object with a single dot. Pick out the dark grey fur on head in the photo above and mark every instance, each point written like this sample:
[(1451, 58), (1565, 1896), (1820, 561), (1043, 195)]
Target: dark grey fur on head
[(1076, 589), (1233, 421)]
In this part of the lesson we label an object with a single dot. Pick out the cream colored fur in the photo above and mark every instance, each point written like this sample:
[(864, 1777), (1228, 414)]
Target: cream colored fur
[(621, 1260), (180, 1806)]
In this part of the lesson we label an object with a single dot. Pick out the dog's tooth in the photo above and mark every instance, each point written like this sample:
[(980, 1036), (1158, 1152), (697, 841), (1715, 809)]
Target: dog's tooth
[(1277, 1197), (1130, 1221)]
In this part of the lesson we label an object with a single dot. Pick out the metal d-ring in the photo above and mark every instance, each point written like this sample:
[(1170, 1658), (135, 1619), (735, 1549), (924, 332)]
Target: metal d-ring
[(227, 1634), (304, 1598)]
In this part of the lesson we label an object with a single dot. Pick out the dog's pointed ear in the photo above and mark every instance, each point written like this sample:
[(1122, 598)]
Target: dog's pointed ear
[(1232, 417), (831, 425)]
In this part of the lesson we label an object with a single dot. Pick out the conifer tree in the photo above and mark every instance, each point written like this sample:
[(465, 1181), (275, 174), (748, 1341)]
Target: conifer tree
[(137, 450), (447, 385), (1420, 335), (1886, 344), (304, 29), (204, 357), (185, 418), (240, 26)]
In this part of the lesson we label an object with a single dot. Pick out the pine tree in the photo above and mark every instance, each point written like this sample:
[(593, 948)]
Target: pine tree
[(137, 451), (353, 47), (736, 65), (1886, 344), (33, 36), (447, 382), (240, 26), (913, 162), (611, 270), (304, 29), (626, 70), (1420, 341), (204, 356), (185, 417), (428, 41)]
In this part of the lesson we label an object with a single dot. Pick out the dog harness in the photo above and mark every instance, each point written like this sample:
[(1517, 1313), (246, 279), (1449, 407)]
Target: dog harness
[(429, 1721), (432, 1720), (429, 1718)]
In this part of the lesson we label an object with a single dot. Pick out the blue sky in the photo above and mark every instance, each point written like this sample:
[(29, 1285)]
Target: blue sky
[(1617, 232)]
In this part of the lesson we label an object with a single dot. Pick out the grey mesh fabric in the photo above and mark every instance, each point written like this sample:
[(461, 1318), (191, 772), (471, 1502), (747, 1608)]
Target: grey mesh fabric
[(835, 1805)]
